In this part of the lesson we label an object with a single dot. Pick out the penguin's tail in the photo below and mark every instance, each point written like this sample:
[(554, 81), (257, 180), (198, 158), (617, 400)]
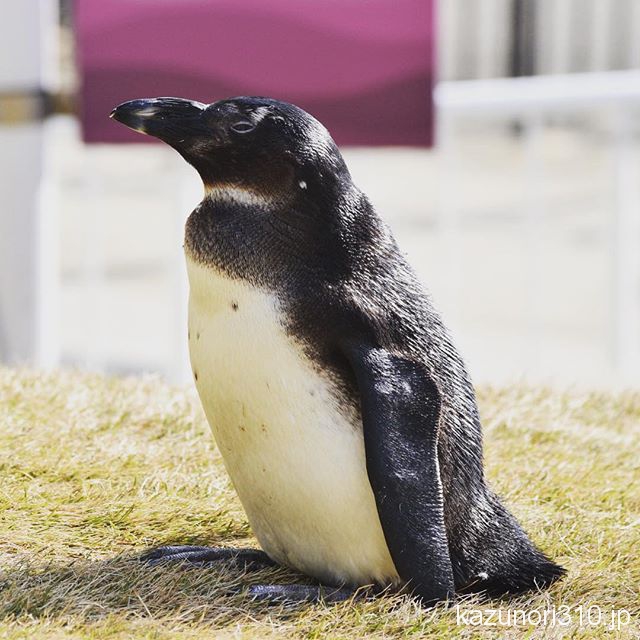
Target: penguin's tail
[(505, 560)]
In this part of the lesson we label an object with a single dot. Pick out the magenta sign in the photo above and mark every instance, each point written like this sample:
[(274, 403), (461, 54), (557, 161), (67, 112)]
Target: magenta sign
[(365, 68)]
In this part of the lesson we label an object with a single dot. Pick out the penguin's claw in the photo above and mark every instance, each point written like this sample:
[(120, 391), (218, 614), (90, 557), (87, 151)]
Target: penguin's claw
[(298, 593), (245, 558)]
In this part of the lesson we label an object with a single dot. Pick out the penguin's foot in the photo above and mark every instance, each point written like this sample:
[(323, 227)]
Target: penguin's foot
[(297, 593), (252, 559)]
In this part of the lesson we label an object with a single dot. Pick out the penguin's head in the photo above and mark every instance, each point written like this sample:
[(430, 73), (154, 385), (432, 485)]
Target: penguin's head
[(261, 146)]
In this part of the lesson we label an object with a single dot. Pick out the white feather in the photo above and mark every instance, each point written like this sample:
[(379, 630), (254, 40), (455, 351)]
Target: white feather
[(229, 193), (259, 113)]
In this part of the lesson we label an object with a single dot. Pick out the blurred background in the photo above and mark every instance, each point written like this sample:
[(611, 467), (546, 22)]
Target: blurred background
[(499, 138)]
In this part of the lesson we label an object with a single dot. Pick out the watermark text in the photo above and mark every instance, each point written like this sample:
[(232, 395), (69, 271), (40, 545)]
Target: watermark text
[(562, 616)]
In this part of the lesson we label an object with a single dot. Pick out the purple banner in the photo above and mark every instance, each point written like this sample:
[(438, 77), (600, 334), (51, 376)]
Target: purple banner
[(363, 67)]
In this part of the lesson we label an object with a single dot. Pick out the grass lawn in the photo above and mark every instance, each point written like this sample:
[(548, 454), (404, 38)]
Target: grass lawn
[(95, 470)]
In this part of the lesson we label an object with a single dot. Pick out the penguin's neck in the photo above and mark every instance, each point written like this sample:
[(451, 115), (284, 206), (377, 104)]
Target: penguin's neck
[(225, 194)]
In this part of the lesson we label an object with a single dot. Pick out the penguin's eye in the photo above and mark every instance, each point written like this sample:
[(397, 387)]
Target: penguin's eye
[(243, 126)]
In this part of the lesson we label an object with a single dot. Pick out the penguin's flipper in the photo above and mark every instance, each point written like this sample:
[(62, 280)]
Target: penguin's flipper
[(400, 407)]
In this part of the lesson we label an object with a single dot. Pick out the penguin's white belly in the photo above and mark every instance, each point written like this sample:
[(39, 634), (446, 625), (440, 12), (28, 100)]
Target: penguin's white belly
[(295, 457)]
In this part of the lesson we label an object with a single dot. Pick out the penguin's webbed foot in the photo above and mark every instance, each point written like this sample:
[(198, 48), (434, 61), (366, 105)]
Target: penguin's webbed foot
[(252, 559), (299, 593)]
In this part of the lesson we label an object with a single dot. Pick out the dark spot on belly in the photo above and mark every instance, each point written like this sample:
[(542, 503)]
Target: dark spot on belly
[(242, 428), (189, 334), (198, 336), (312, 392), (195, 375), (234, 306), (263, 427)]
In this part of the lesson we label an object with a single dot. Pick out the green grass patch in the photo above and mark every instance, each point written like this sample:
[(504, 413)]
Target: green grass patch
[(95, 470)]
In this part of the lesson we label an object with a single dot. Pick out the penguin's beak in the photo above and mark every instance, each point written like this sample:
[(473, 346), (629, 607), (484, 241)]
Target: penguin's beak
[(173, 120)]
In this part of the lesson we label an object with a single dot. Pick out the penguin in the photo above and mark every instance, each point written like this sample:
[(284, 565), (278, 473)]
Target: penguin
[(344, 414)]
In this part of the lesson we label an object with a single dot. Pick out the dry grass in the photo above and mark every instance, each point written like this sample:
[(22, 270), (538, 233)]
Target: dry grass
[(94, 470)]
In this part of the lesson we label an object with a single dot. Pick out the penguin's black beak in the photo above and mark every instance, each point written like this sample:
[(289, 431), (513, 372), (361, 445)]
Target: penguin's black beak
[(173, 120)]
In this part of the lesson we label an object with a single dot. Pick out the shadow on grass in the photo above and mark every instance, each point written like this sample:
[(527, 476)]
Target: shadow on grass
[(127, 588), (204, 599)]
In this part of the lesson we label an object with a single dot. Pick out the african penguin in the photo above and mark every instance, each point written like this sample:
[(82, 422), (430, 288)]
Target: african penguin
[(344, 414)]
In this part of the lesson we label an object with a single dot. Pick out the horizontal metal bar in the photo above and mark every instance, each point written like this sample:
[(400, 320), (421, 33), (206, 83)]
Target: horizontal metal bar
[(27, 106), (514, 96)]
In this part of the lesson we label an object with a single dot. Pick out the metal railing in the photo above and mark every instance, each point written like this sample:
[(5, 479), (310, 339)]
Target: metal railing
[(497, 38)]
